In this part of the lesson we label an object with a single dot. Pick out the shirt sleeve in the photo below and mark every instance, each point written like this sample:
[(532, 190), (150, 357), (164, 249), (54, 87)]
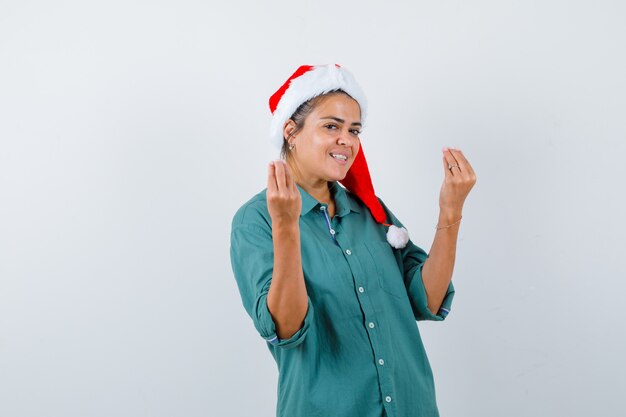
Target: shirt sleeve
[(252, 260), (413, 258)]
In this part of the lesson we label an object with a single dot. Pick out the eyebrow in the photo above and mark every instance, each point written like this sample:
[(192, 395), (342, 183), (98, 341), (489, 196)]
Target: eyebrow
[(341, 120)]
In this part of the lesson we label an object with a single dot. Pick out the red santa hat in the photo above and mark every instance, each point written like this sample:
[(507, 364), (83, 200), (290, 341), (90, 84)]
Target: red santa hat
[(310, 81)]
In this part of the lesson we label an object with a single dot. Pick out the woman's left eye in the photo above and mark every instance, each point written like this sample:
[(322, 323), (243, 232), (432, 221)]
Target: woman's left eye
[(355, 132)]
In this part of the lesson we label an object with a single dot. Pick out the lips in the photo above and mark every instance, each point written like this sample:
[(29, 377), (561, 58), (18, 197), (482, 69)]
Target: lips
[(342, 153), (339, 161)]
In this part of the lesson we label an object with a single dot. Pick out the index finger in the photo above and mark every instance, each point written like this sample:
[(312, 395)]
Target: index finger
[(450, 160), (288, 178), (458, 155), (271, 178)]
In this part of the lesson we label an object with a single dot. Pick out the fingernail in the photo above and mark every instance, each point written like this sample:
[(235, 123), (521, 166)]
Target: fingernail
[(444, 149), (271, 163)]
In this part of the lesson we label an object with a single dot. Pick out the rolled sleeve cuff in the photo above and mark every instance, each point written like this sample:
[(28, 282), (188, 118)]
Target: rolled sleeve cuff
[(267, 328), (419, 301)]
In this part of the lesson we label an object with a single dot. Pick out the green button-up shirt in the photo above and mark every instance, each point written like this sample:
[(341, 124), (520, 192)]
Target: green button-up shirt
[(359, 352)]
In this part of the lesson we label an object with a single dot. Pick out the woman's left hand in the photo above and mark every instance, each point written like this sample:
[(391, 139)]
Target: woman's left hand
[(458, 180)]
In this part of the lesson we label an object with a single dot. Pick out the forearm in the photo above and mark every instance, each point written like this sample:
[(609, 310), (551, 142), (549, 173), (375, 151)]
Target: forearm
[(287, 299), (438, 268)]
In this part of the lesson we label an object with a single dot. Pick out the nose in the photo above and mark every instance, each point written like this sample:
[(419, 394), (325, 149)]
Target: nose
[(345, 138)]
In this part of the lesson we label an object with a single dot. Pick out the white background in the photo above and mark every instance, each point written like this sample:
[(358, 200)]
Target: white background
[(130, 132)]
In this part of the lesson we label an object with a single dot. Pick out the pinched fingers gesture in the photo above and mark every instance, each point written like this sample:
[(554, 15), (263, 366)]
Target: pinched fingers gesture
[(459, 178), (283, 197)]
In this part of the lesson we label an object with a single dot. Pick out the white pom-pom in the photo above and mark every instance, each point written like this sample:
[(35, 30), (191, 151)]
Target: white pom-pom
[(397, 236)]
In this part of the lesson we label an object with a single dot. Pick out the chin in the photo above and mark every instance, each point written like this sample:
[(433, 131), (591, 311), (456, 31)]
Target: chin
[(338, 174), (337, 177)]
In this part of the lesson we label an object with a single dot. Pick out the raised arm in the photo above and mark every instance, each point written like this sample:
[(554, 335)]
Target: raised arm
[(437, 269), (287, 299)]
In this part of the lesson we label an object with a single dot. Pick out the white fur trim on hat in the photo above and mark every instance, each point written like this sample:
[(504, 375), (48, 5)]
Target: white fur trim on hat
[(320, 80)]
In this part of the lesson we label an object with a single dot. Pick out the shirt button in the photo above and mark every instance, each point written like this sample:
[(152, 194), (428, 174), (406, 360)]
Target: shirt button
[(361, 289), (380, 361), (388, 399), (371, 325), (348, 251), (332, 231)]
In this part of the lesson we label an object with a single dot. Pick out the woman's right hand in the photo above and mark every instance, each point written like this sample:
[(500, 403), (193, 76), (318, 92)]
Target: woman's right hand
[(283, 197)]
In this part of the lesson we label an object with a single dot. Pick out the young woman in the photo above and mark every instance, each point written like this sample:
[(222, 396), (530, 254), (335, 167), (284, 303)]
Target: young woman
[(332, 287)]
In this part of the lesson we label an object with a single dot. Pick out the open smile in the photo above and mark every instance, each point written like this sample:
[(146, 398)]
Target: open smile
[(339, 158)]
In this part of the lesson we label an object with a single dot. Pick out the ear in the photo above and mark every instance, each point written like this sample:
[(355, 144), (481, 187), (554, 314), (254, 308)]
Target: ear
[(288, 129)]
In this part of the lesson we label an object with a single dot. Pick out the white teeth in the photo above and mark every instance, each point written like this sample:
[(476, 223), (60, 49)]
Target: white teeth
[(342, 157)]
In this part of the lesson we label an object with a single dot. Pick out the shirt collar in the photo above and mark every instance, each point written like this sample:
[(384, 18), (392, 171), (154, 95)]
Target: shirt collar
[(344, 201)]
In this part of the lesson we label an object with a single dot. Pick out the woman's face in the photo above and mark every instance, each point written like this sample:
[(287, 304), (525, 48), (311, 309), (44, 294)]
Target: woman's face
[(329, 141)]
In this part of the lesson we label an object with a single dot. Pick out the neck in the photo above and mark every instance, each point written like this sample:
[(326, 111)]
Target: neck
[(317, 190), (315, 187)]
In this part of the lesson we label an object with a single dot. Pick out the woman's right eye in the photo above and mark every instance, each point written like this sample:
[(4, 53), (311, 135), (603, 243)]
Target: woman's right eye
[(330, 126)]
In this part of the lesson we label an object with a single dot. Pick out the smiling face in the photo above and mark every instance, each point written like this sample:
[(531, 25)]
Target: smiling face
[(328, 142)]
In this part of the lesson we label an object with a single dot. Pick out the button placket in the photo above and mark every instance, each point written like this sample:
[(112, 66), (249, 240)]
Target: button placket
[(369, 315), (324, 210)]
